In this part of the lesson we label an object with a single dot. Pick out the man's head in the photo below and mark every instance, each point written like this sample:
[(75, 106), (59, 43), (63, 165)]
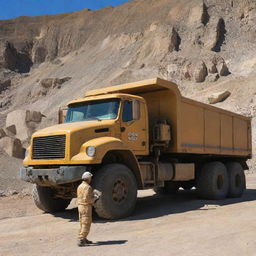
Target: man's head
[(87, 176)]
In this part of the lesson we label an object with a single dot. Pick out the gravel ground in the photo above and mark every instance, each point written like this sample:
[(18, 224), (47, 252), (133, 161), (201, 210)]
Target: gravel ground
[(161, 225)]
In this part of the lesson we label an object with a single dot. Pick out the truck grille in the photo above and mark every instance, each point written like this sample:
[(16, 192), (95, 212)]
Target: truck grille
[(50, 147)]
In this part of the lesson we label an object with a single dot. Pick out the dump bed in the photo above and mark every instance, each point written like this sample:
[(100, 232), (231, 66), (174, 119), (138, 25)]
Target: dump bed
[(196, 127)]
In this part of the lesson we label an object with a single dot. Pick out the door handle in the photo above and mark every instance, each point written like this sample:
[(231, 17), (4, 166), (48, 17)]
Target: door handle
[(122, 129)]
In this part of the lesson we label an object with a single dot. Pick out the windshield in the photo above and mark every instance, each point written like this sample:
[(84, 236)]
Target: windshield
[(93, 110)]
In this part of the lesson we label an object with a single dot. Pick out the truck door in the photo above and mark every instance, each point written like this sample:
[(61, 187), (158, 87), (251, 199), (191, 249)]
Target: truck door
[(134, 126)]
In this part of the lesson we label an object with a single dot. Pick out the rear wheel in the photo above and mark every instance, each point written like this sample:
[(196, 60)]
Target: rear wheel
[(236, 177), (45, 201), (213, 182), (119, 191)]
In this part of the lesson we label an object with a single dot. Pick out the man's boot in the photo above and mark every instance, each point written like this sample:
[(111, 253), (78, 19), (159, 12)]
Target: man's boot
[(88, 241), (82, 242)]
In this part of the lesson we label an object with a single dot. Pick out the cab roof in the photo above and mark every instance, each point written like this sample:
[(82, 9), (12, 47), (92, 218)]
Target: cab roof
[(101, 97)]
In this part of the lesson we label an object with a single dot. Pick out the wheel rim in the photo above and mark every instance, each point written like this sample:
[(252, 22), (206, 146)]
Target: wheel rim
[(238, 181), (120, 191), (220, 182)]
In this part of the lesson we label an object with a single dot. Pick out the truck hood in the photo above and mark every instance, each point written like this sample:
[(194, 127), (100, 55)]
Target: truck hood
[(67, 128)]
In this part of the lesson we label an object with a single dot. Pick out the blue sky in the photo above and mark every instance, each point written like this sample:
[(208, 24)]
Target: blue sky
[(14, 8)]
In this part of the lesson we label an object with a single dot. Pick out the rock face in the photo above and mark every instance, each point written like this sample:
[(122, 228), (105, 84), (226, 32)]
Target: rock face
[(219, 97), (12, 147), (15, 60)]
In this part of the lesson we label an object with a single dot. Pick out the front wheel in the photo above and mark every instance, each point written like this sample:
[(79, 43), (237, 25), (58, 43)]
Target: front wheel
[(118, 186), (44, 199)]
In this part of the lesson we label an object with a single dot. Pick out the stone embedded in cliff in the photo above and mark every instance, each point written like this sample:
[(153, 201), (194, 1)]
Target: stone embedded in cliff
[(219, 97), (11, 129), (12, 147), (212, 67), (47, 82), (222, 68), (215, 34), (53, 82), (39, 54), (34, 116), (200, 72), (4, 85), (175, 41), (186, 71), (2, 133), (198, 14)]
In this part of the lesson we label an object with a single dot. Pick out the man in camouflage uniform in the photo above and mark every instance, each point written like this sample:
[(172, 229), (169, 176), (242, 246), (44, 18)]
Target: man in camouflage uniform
[(85, 200)]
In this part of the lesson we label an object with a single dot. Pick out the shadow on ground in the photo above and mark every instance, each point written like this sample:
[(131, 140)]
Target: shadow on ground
[(111, 242), (160, 205)]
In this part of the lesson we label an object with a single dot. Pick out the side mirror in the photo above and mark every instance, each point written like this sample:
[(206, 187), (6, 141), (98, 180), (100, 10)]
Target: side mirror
[(62, 114), (135, 110)]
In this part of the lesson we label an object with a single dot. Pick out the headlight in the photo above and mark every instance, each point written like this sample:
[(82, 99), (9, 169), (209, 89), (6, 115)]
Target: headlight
[(90, 151)]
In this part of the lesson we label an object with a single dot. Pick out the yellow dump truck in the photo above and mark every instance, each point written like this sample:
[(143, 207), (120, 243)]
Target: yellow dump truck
[(141, 135)]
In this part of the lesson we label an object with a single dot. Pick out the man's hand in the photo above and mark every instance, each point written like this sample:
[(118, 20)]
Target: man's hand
[(96, 195)]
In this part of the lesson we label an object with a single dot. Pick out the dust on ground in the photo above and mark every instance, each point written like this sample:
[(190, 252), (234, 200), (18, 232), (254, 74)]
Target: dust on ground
[(161, 225)]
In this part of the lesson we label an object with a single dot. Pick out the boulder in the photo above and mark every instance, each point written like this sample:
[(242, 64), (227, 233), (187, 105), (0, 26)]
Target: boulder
[(53, 82), (11, 129), (222, 68), (12, 147), (33, 116), (218, 97), (18, 118), (47, 82), (22, 120), (200, 72)]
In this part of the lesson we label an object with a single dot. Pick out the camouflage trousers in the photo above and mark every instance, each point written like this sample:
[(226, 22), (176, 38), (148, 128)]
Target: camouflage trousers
[(85, 218)]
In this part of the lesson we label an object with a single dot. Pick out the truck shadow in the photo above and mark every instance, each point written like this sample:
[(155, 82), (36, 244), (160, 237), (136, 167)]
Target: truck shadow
[(184, 201), (155, 206)]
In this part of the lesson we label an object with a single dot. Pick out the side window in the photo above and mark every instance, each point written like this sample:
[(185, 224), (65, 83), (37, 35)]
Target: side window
[(127, 111)]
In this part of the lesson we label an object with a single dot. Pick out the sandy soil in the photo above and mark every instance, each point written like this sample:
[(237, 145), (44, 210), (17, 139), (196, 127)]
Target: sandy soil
[(161, 225)]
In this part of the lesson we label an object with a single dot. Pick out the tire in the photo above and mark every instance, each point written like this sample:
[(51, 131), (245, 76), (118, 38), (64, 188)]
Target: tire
[(119, 191), (170, 187), (44, 200), (236, 177), (213, 182)]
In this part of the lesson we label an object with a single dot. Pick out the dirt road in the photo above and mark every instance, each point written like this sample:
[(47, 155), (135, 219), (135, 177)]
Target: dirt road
[(161, 225)]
